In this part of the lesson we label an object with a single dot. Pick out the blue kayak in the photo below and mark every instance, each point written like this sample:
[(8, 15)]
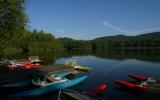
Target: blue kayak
[(28, 81), (49, 88)]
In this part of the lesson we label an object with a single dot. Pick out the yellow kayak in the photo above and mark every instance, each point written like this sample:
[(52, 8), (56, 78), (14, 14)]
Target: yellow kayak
[(82, 68), (74, 64)]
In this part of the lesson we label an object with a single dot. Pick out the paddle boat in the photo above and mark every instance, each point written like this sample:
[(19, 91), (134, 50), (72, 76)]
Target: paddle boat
[(30, 65), (142, 87), (35, 60), (76, 66), (86, 95), (8, 65), (143, 79), (49, 85), (13, 65)]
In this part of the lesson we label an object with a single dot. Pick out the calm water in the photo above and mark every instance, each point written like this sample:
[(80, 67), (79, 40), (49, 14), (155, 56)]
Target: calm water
[(109, 66), (104, 71)]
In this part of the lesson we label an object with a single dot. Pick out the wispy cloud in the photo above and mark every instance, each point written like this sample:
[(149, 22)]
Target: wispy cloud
[(107, 24)]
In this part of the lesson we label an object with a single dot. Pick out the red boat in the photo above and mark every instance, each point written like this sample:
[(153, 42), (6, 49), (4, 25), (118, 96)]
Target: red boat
[(95, 91), (132, 85), (137, 77), (30, 65)]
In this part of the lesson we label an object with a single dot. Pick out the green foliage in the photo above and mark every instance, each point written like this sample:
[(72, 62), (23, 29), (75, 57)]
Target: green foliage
[(14, 36), (12, 20), (69, 44)]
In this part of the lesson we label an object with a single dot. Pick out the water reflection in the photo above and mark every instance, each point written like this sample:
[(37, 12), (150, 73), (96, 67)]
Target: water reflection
[(108, 66)]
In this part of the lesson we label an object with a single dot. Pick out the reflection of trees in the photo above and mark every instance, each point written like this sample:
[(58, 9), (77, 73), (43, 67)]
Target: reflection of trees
[(120, 54), (140, 54), (48, 57), (76, 52)]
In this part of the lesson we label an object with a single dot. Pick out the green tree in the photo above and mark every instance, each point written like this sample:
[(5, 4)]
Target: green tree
[(12, 20)]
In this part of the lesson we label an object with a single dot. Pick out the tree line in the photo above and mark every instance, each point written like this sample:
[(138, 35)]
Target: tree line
[(15, 35), (144, 41)]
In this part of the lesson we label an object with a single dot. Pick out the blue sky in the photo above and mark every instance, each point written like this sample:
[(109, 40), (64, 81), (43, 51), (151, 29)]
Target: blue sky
[(89, 19)]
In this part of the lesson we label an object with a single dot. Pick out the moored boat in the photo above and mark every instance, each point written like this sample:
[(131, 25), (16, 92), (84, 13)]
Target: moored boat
[(133, 86), (49, 88), (86, 95), (30, 65), (67, 94), (74, 63), (138, 77), (35, 60), (82, 68), (143, 79), (97, 90)]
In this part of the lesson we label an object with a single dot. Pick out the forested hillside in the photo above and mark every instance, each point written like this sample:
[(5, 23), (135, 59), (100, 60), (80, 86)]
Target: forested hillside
[(149, 40), (143, 41)]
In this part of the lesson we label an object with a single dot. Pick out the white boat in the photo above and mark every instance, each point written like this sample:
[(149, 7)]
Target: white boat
[(48, 81)]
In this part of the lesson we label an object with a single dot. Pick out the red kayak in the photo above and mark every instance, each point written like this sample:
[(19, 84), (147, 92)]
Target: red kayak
[(95, 91), (137, 77), (29, 65), (132, 85)]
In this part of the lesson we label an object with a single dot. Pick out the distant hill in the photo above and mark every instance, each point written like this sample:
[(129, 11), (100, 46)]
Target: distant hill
[(143, 41), (155, 35), (65, 39)]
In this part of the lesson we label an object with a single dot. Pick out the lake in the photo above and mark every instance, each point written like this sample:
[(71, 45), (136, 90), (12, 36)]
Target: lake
[(109, 66), (105, 71)]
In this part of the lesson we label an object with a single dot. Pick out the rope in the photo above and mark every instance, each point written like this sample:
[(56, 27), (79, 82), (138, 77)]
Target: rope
[(59, 94)]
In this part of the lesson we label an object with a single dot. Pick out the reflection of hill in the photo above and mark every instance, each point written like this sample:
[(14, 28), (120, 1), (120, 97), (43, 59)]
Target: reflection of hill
[(140, 54)]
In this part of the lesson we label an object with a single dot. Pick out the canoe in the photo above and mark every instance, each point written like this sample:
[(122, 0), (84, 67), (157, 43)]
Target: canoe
[(132, 85), (67, 94), (86, 95), (17, 84), (138, 77), (49, 88)]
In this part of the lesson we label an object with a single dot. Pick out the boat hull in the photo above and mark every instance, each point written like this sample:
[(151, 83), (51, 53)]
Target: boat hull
[(131, 85), (137, 77), (50, 88), (82, 68)]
